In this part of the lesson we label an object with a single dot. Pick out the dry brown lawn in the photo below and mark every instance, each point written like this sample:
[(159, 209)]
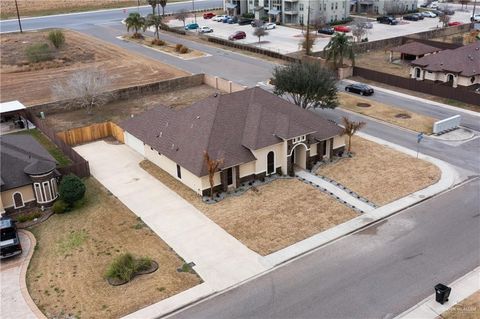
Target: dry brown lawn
[(380, 173), (120, 110), (387, 113), (379, 60), (65, 276), (280, 214), (31, 83), (469, 308), (169, 48)]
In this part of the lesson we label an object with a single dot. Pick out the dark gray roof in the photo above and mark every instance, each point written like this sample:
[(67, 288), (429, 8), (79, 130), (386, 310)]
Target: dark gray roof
[(415, 48), (464, 60), (21, 154), (226, 126)]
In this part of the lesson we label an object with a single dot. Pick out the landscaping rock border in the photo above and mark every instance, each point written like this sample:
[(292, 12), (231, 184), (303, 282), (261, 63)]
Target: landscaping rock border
[(118, 282)]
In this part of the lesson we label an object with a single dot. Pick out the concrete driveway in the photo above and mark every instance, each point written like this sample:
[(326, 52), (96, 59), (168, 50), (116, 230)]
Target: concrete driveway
[(220, 259)]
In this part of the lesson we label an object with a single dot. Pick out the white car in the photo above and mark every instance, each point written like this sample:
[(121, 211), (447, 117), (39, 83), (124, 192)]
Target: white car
[(205, 29), (269, 26), (475, 18), (433, 5), (218, 18), (429, 14)]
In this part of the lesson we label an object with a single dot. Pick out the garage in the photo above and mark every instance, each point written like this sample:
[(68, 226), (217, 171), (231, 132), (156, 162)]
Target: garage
[(134, 143)]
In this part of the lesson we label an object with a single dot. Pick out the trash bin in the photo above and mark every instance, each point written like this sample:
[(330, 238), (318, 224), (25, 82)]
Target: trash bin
[(442, 293)]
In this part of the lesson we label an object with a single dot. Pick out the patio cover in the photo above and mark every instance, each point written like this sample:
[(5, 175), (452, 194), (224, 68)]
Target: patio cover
[(274, 12), (12, 106), (415, 48)]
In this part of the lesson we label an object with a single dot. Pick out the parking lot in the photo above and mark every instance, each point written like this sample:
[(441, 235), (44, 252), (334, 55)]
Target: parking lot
[(286, 40)]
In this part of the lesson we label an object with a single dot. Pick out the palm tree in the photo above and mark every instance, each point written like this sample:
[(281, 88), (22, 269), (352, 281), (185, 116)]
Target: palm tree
[(339, 48), (153, 21), (153, 3), (163, 3), (212, 167), (136, 22), (350, 128)]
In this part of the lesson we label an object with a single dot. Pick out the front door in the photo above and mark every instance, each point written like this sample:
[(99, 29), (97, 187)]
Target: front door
[(230, 176), (270, 163)]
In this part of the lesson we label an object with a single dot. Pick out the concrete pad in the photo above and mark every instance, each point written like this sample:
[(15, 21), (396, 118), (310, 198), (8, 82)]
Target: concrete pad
[(220, 259)]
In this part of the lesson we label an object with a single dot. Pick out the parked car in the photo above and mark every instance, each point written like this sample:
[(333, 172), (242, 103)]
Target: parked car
[(225, 20), (419, 15), (9, 241), (387, 20), (191, 26), (326, 30), (341, 28), (208, 15), (359, 88), (454, 23), (238, 35), (244, 21), (205, 29), (218, 18), (439, 13), (448, 11), (257, 23), (367, 25), (429, 14), (411, 17), (475, 18), (269, 26), (433, 5)]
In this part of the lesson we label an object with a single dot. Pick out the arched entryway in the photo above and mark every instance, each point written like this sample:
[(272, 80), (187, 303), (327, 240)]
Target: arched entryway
[(418, 73), (18, 200), (297, 158), (450, 79), (270, 163)]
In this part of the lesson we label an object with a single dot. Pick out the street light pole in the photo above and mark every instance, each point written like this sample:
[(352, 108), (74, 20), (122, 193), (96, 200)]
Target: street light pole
[(194, 13), (18, 17), (307, 39)]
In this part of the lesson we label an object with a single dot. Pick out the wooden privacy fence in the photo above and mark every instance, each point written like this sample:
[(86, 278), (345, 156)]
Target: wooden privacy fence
[(92, 133)]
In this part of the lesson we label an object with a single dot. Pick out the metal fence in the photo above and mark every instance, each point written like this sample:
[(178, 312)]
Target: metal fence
[(80, 166), (438, 89)]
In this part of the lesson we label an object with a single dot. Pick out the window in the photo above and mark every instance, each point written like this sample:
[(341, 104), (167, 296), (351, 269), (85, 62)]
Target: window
[(18, 200), (300, 6), (300, 18), (299, 139), (332, 5), (38, 192), (336, 5), (47, 191), (53, 181), (230, 176), (270, 163), (324, 7), (472, 79), (179, 171)]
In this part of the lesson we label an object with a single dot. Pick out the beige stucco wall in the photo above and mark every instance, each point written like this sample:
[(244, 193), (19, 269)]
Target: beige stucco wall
[(188, 178), (247, 169), (206, 182), (313, 149), (261, 156), (26, 191), (338, 141), (466, 81)]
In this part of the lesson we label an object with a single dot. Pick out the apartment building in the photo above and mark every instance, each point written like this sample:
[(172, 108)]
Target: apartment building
[(291, 11), (384, 7)]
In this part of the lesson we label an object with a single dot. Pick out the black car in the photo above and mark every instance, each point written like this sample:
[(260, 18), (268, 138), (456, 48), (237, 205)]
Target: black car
[(326, 30), (9, 241), (387, 20), (448, 11), (244, 21), (257, 23), (411, 17), (438, 12), (359, 88), (419, 15)]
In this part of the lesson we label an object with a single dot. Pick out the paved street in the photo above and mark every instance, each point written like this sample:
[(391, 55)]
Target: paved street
[(376, 273)]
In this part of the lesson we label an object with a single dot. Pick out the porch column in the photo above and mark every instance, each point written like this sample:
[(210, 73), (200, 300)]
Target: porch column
[(330, 150), (290, 170), (237, 176)]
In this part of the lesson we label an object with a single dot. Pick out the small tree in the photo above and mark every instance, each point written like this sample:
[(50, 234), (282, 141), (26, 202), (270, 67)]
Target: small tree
[(163, 3), (308, 84), (359, 30), (181, 15), (38, 52), (57, 38), (339, 48), (153, 3), (85, 89), (444, 19), (136, 22), (71, 189), (320, 21), (153, 21), (212, 167), (308, 42), (350, 128), (260, 32)]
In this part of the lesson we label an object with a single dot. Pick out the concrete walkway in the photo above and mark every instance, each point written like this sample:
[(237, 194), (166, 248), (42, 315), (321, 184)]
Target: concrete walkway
[(340, 193), (220, 259), (461, 289), (15, 301)]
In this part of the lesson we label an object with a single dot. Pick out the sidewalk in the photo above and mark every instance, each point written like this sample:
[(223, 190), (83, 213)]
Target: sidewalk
[(461, 289)]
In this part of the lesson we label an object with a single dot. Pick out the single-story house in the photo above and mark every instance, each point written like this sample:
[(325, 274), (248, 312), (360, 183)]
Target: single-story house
[(413, 50), (254, 132), (28, 174), (459, 66)]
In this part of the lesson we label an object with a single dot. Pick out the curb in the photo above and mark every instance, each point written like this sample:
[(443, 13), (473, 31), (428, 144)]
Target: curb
[(23, 274)]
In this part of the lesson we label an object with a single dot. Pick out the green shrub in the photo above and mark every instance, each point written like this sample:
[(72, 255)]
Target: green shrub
[(57, 38), (158, 42), (248, 15), (183, 50), (178, 47), (72, 189), (125, 266), (59, 207), (38, 52), (28, 217)]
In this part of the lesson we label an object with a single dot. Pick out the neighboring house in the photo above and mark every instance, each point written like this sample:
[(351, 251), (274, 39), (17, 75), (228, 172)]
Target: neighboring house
[(456, 67), (384, 7), (413, 50), (28, 174), (255, 133), (291, 11)]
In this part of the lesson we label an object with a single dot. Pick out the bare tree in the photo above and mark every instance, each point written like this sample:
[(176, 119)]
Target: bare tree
[(308, 42), (359, 30), (464, 3), (212, 167), (444, 19), (320, 21), (181, 15), (260, 32), (85, 89), (350, 128)]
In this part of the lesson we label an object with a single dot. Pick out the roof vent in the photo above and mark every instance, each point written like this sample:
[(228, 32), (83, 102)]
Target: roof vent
[(215, 95), (173, 146), (198, 117), (191, 125), (166, 124), (160, 135)]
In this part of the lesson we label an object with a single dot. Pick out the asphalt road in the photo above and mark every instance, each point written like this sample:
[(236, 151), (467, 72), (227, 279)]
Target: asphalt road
[(375, 273)]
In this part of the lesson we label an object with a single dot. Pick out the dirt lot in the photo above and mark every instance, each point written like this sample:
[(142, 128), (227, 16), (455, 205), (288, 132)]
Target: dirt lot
[(380, 173), (379, 60), (387, 113), (65, 276), (119, 110), (280, 214), (467, 309), (169, 48), (30, 83)]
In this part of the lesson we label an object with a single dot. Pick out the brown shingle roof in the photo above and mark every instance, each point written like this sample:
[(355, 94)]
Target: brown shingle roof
[(226, 126), (464, 60), (415, 48)]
